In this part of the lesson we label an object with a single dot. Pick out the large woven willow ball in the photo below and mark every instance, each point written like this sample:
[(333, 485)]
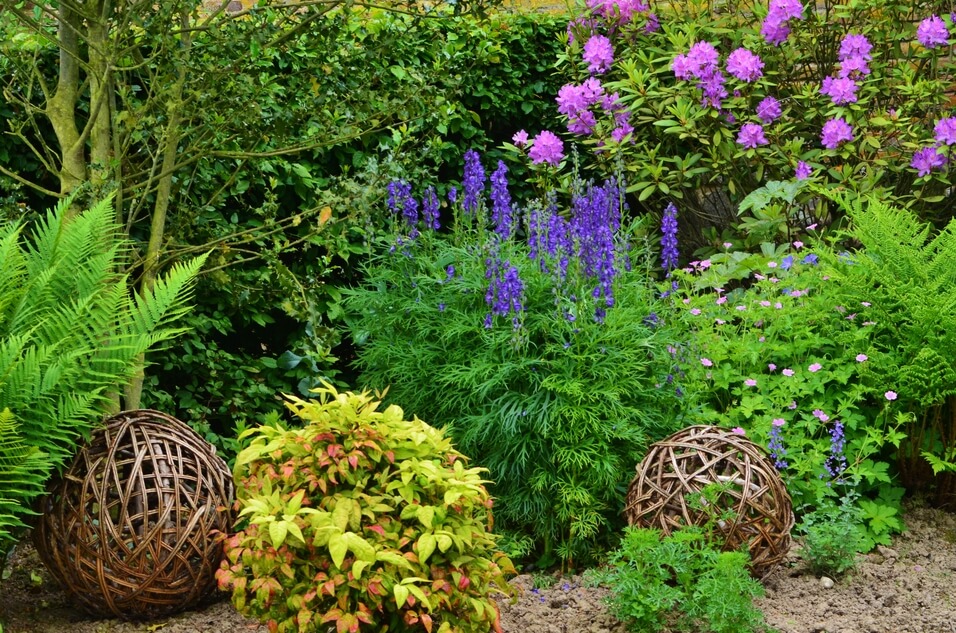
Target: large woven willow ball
[(748, 505), (130, 529)]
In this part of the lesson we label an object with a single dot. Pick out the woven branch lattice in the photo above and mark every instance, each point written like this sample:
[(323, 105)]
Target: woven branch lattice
[(677, 468), (129, 528)]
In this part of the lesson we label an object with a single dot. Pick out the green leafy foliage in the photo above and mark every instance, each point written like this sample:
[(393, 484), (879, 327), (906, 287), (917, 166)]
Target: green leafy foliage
[(557, 404), (832, 536), (361, 520), (70, 336), (288, 230), (681, 582)]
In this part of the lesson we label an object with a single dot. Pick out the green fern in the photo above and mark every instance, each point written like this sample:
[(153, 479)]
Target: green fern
[(71, 334)]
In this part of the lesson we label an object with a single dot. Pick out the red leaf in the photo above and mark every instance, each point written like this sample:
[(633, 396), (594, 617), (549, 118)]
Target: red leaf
[(353, 461)]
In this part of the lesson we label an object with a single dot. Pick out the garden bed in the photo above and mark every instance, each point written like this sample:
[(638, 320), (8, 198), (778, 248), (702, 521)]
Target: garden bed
[(905, 588)]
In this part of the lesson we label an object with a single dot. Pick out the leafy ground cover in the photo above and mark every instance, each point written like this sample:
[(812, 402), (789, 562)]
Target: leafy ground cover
[(903, 588)]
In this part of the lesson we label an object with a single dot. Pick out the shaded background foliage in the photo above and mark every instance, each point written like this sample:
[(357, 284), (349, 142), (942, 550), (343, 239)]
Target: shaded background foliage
[(389, 95)]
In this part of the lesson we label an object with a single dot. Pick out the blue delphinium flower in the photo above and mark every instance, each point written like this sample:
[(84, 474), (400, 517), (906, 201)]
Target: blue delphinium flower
[(505, 294), (836, 462), (777, 450), (669, 252), (430, 209), (473, 182), (501, 214)]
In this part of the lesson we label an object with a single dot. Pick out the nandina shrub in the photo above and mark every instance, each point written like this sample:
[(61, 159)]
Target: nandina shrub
[(363, 519)]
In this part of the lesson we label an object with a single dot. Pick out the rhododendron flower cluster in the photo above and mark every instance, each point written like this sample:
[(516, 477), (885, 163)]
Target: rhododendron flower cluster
[(776, 27)]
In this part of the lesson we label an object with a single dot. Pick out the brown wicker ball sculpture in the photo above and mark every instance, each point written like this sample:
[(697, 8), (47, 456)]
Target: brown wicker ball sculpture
[(129, 528), (678, 467)]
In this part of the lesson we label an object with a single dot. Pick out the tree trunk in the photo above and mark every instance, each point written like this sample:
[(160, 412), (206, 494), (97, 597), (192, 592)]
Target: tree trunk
[(61, 108), (157, 232)]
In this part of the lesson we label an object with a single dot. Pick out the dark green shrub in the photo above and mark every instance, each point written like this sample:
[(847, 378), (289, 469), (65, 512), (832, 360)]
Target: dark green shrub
[(363, 520), (559, 398)]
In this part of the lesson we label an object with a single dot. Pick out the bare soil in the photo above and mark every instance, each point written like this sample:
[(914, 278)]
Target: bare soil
[(906, 588)]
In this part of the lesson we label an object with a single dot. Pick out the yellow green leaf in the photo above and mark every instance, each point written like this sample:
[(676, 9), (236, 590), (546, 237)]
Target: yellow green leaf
[(426, 514), (358, 567), (338, 547), (426, 545), (295, 502), (362, 549), (277, 532), (401, 595)]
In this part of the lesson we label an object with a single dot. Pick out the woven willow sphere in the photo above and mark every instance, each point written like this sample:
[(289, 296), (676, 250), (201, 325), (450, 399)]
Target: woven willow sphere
[(128, 529), (674, 469)]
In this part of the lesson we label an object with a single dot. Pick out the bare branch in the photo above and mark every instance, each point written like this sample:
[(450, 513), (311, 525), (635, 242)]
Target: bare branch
[(30, 184)]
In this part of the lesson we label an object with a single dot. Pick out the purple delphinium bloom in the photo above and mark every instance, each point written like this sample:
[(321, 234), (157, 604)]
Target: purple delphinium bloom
[(473, 182), (501, 214), (945, 130), (546, 148), (453, 195), (769, 110), (777, 450), (430, 209), (841, 90), (835, 132), (803, 171), (398, 192), (836, 462), (926, 160), (669, 252), (505, 294), (598, 53), (751, 136), (595, 220), (744, 65), (932, 32), (410, 213)]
